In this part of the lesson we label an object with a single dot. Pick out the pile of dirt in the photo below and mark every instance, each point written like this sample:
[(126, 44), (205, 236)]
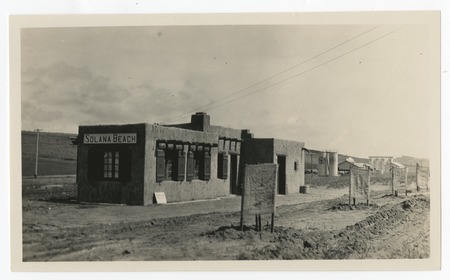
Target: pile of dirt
[(397, 228), (227, 233), (393, 197), (347, 207), (353, 242)]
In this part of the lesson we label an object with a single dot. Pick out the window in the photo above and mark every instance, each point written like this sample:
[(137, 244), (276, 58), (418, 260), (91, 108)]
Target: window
[(171, 166), (109, 164), (199, 162), (190, 166), (199, 165), (174, 165), (222, 166), (296, 165), (170, 163)]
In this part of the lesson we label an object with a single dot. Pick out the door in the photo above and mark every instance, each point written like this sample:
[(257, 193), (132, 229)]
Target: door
[(233, 174), (281, 186)]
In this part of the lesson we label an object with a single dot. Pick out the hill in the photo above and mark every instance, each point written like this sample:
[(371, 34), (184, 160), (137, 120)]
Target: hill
[(412, 161), (56, 154)]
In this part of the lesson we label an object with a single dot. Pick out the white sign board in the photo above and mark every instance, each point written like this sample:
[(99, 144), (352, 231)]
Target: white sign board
[(422, 178), (359, 182), (110, 138), (259, 189), (160, 198)]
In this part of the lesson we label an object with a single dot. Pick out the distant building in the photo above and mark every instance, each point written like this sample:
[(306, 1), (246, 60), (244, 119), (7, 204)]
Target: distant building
[(347, 164), (379, 163), (128, 164), (397, 165), (322, 162)]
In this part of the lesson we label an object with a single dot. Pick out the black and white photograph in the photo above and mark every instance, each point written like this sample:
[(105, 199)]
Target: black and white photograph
[(229, 138)]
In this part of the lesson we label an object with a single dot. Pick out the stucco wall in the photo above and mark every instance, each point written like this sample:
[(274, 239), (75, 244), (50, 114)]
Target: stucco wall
[(127, 192), (225, 131), (183, 190), (219, 130), (293, 152), (265, 150)]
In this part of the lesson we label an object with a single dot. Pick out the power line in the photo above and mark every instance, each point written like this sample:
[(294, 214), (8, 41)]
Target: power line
[(275, 75), (306, 71)]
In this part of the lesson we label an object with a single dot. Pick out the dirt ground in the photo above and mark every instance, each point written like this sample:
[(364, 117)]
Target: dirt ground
[(317, 225)]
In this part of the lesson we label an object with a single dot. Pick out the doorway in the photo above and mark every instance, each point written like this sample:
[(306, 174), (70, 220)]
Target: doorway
[(233, 174), (281, 186)]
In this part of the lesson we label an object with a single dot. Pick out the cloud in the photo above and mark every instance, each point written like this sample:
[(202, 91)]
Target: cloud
[(60, 97)]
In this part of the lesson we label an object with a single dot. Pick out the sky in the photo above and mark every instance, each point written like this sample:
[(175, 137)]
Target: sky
[(357, 89)]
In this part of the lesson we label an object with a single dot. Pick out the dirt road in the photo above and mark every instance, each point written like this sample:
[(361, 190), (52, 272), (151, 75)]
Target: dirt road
[(318, 225)]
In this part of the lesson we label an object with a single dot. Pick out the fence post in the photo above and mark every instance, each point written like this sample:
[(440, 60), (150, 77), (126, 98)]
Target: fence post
[(350, 188), (392, 180), (273, 220), (406, 177), (368, 187), (417, 177)]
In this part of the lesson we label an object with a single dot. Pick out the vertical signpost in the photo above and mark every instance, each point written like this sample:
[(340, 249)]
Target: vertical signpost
[(359, 184), (422, 177), (258, 197)]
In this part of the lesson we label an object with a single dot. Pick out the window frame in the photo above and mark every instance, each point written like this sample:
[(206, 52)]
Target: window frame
[(111, 164), (99, 164), (199, 165), (171, 155), (189, 165), (222, 166)]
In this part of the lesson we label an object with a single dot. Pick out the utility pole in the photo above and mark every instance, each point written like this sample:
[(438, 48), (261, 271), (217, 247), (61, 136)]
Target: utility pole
[(37, 152)]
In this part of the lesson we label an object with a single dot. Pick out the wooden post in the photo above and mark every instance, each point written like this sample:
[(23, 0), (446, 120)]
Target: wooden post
[(406, 177), (242, 210), (350, 189), (350, 199), (368, 187), (417, 177), (259, 222), (392, 180), (273, 220)]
